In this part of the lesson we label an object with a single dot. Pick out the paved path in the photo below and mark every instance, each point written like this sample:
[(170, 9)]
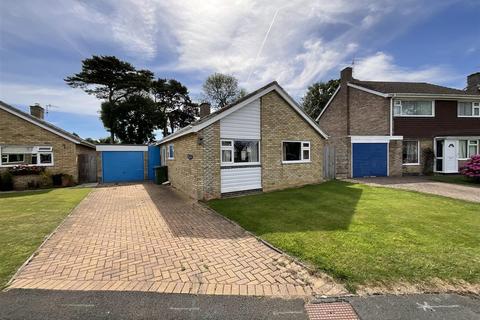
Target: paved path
[(145, 237), (424, 185)]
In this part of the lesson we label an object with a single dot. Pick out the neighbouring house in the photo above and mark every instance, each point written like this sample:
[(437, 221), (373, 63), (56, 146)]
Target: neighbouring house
[(30, 141), (379, 128), (263, 141)]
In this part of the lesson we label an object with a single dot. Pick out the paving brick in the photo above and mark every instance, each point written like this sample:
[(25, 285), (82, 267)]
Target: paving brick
[(143, 237)]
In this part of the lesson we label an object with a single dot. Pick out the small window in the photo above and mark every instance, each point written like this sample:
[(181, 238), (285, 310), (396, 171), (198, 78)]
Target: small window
[(472, 148), (410, 152), (45, 158), (468, 109), (410, 108), (171, 152), (296, 151)]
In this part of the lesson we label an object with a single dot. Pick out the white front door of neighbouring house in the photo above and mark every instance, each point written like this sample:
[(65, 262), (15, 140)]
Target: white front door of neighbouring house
[(450, 157)]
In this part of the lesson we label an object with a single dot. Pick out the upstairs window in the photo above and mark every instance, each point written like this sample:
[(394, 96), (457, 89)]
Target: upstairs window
[(296, 151), (468, 109), (26, 155), (413, 108)]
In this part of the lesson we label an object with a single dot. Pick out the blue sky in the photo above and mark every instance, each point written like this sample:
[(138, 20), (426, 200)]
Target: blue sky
[(295, 42)]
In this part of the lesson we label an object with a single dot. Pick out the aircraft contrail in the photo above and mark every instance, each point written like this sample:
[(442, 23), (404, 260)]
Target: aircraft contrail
[(263, 43)]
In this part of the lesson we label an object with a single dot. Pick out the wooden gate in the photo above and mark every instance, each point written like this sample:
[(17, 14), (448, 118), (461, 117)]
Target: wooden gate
[(87, 168), (329, 162)]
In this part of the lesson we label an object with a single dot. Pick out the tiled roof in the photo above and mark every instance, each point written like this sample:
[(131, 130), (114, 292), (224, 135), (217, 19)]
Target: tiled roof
[(407, 87)]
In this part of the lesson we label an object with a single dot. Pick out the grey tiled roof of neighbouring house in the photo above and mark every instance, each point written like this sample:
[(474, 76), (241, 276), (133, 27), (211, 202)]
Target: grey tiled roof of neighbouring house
[(47, 124), (407, 87)]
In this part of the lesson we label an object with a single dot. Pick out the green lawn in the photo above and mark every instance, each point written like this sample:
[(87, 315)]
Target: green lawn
[(366, 235), (454, 178), (26, 218)]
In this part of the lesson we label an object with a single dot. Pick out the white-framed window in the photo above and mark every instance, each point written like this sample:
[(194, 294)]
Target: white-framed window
[(411, 152), (171, 152), (295, 151), (414, 108), (468, 109), (11, 155), (239, 152), (468, 148)]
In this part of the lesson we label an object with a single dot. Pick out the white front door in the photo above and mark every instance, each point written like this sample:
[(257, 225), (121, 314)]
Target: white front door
[(450, 157)]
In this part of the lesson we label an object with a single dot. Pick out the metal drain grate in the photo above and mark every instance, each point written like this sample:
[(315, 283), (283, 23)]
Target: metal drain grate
[(331, 311)]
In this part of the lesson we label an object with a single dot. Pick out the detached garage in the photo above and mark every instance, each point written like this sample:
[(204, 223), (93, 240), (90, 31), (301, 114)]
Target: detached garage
[(123, 163)]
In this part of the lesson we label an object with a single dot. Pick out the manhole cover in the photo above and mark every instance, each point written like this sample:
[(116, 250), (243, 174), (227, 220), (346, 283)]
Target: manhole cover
[(331, 311)]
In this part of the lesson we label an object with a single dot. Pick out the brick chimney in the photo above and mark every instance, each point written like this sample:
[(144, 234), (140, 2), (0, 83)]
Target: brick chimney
[(204, 109), (473, 83), (37, 111), (346, 75)]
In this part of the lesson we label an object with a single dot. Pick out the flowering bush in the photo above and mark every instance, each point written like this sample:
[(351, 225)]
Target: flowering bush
[(22, 170), (472, 168)]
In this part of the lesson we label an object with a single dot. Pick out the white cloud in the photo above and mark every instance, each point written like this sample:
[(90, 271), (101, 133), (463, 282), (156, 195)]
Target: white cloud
[(381, 66), (66, 99)]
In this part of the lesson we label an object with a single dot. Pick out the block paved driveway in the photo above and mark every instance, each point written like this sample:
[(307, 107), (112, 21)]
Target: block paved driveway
[(145, 237)]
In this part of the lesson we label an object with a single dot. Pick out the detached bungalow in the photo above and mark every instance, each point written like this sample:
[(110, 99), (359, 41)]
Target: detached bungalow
[(30, 141), (263, 141)]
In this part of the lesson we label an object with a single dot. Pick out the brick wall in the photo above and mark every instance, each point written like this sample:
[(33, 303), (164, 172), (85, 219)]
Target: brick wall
[(369, 114), (186, 174), (395, 157), (210, 182), (334, 123), (16, 131), (280, 122)]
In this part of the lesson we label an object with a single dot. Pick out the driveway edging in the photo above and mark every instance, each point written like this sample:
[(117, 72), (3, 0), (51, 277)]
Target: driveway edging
[(296, 260), (34, 253)]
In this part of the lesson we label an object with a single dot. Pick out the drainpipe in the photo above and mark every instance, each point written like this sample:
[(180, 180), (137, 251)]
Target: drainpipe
[(391, 116)]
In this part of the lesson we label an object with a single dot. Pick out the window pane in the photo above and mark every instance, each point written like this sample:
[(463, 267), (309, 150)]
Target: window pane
[(292, 151), (439, 165), (462, 149), (472, 150), (410, 152), (397, 110), (45, 158), (306, 154), (417, 108), (464, 108), (439, 148), (476, 111), (226, 143), (226, 155), (245, 151), (4, 158)]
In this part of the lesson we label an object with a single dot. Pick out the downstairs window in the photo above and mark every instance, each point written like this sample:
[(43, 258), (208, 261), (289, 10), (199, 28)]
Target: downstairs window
[(411, 152), (296, 151), (26, 155)]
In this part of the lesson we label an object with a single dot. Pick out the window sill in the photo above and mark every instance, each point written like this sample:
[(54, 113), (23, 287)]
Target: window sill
[(410, 164), (468, 116), (26, 165), (237, 164), (296, 162), (412, 116)]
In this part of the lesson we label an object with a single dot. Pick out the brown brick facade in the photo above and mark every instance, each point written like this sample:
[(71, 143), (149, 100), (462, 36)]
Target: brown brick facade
[(367, 115), (210, 182), (279, 122), (16, 131)]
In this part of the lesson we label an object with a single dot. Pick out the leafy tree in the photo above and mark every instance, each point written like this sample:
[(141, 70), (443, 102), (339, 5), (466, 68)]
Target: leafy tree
[(173, 101), (137, 117), (317, 96), (221, 90), (112, 80)]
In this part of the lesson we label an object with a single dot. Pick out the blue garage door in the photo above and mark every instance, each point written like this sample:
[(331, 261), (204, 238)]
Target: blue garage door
[(122, 166), (370, 159)]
